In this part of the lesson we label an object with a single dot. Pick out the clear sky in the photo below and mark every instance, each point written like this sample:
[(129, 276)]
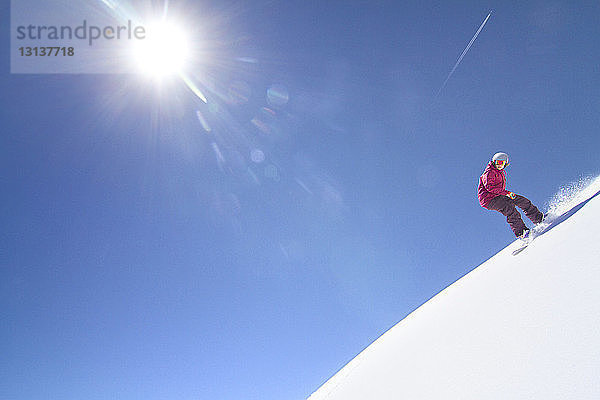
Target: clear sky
[(155, 246)]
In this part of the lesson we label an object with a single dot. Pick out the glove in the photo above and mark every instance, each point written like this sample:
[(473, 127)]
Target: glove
[(511, 195)]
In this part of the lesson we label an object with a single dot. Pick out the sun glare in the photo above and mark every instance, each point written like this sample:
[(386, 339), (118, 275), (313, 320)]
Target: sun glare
[(164, 51)]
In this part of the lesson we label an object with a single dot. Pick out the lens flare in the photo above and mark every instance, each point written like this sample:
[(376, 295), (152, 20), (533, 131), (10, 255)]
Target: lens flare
[(277, 95)]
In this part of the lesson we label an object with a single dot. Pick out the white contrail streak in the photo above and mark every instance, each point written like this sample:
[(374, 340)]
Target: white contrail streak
[(464, 52)]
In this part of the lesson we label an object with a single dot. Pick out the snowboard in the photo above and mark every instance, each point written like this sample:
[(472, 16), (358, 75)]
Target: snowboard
[(533, 233)]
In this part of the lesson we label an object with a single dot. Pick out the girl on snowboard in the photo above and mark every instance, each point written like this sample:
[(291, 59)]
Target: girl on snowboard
[(493, 195)]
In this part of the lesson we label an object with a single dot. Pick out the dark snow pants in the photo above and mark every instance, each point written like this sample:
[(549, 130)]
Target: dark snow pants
[(506, 206)]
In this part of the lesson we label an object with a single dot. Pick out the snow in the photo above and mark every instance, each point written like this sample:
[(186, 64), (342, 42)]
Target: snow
[(516, 327)]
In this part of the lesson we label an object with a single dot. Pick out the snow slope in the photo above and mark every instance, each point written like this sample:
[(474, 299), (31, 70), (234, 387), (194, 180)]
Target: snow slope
[(516, 327)]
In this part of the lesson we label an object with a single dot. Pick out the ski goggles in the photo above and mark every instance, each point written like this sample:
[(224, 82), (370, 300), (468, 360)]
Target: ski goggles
[(501, 164)]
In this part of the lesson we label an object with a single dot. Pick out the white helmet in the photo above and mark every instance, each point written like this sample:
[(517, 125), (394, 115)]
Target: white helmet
[(500, 156), (500, 160)]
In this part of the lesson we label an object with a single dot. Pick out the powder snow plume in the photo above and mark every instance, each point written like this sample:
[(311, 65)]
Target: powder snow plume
[(572, 194)]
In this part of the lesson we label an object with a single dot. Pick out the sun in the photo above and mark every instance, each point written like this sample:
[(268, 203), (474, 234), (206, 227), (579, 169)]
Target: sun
[(164, 50)]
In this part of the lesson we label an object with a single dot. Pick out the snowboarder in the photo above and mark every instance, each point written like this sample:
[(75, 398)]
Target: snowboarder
[(493, 195)]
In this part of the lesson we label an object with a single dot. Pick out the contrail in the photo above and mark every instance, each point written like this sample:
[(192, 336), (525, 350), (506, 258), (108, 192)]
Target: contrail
[(464, 52)]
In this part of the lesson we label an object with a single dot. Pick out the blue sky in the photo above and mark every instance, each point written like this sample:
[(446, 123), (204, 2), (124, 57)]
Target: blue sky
[(144, 257)]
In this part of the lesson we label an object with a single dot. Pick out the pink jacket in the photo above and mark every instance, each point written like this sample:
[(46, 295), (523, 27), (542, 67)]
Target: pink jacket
[(491, 184)]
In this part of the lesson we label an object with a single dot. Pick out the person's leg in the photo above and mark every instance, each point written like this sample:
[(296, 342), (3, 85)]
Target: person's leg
[(505, 206), (530, 210)]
